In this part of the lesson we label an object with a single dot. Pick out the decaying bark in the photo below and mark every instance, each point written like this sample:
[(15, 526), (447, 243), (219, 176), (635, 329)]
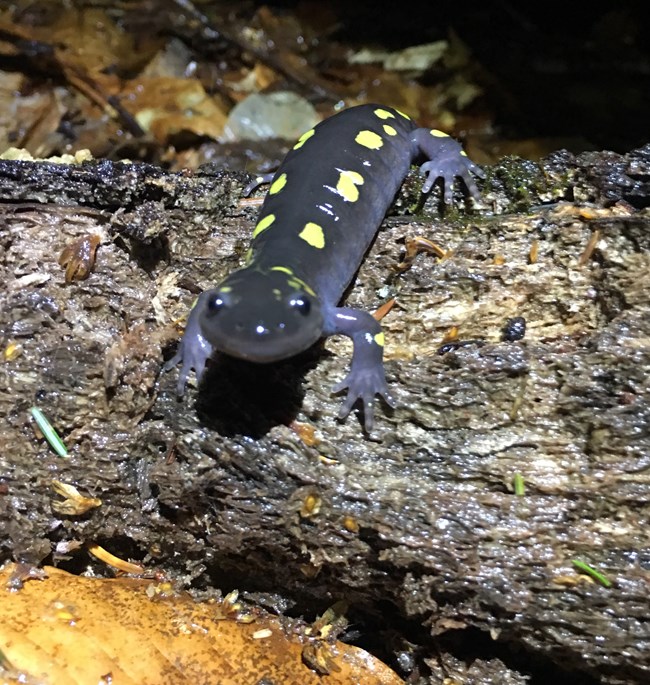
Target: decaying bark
[(418, 526)]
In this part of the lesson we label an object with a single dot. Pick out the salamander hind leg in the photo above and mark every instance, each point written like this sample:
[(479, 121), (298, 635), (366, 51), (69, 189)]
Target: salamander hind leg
[(446, 161), (366, 378)]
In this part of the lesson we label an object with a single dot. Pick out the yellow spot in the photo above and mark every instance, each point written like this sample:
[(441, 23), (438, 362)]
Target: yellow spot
[(294, 281), (384, 114), (369, 139), (278, 184), (313, 234), (277, 294), (438, 134), (406, 116), (347, 185), (298, 283), (248, 257), (225, 289), (462, 152), (263, 224), (379, 339), (283, 269), (303, 139), (390, 130)]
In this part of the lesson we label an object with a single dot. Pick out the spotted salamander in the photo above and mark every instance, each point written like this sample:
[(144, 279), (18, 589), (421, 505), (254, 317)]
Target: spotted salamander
[(321, 213)]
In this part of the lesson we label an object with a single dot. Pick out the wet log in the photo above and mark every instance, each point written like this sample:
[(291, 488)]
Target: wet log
[(251, 482)]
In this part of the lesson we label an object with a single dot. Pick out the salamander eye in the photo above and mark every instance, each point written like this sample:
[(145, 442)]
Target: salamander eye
[(301, 304), (216, 303)]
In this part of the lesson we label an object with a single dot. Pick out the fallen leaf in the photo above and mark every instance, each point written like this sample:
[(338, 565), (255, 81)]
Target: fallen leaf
[(74, 630)]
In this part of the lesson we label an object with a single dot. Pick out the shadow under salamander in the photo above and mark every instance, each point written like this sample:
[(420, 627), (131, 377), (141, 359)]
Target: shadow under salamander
[(237, 397)]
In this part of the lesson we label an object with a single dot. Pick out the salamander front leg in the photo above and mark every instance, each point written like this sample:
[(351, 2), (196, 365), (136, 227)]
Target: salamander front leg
[(193, 349), (257, 182), (366, 377)]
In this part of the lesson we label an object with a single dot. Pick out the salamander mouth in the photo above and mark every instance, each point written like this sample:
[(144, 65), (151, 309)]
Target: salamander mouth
[(264, 349)]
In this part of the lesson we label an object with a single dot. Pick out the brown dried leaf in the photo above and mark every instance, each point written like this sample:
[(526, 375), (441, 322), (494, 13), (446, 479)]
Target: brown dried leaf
[(166, 106), (90, 38), (73, 630)]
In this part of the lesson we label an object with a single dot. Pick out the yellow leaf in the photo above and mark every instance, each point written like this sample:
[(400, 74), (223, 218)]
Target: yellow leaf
[(71, 630)]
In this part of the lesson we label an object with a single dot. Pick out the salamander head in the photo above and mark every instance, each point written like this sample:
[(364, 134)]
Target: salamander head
[(261, 316)]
